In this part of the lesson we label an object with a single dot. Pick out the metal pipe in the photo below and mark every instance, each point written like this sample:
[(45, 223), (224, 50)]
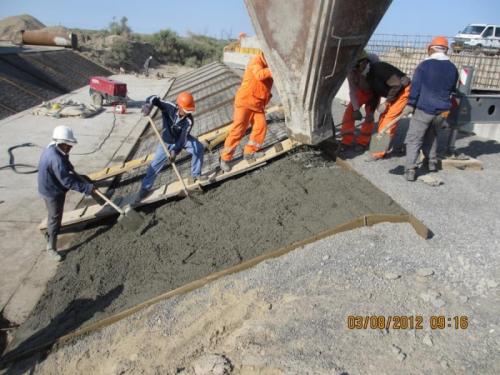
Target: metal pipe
[(49, 38)]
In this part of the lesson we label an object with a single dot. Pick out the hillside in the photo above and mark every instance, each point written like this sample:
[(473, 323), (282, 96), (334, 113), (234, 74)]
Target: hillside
[(119, 47), (10, 27)]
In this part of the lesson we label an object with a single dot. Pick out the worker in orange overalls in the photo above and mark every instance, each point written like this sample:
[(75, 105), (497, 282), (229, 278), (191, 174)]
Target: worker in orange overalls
[(360, 94), (251, 99), (389, 82)]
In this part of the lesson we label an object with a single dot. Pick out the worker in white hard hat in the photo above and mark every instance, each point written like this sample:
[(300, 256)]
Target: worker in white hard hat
[(55, 177)]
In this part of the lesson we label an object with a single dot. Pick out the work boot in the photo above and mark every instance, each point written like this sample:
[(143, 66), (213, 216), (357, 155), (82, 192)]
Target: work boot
[(54, 255), (200, 179), (143, 193), (224, 166), (410, 175), (360, 148), (254, 155), (432, 167), (51, 248), (343, 150)]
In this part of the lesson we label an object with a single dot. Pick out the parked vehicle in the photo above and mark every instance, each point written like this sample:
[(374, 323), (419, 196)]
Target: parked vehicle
[(107, 91), (478, 38)]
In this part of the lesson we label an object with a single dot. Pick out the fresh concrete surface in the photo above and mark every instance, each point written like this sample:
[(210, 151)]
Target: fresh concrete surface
[(23, 268)]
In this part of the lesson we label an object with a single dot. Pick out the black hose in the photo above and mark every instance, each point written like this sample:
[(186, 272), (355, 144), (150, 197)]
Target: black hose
[(13, 165)]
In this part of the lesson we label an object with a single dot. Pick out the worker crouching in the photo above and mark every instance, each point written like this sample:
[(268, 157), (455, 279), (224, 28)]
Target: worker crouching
[(434, 82), (55, 177), (360, 94), (387, 81), (251, 99), (177, 124)]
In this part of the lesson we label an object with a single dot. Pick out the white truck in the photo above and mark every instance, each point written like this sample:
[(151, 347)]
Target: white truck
[(478, 38)]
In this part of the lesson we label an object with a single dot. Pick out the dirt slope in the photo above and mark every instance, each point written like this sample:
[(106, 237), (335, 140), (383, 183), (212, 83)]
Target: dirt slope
[(10, 27)]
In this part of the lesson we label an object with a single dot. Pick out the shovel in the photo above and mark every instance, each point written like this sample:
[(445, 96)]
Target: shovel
[(129, 218), (381, 141), (174, 167)]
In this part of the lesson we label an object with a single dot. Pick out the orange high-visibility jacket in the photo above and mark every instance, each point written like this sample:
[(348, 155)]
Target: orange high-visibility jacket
[(255, 90)]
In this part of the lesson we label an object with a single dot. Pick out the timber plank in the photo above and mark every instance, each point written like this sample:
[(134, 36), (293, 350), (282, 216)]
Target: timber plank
[(212, 138), (97, 212)]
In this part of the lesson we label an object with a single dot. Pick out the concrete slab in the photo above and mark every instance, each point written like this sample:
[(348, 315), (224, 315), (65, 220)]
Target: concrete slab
[(103, 140)]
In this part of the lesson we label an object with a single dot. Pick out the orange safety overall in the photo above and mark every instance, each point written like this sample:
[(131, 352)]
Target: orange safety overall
[(347, 129), (250, 102), (392, 111)]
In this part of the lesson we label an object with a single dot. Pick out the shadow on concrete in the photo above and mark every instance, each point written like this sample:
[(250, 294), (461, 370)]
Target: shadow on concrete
[(478, 148), (97, 233), (72, 317)]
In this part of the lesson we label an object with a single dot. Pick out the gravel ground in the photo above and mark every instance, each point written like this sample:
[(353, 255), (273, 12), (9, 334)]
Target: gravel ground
[(289, 315)]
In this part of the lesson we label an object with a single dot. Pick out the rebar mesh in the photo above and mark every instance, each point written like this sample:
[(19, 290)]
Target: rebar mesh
[(407, 51)]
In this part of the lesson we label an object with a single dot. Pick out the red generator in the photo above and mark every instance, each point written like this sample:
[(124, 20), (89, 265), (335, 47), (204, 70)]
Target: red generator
[(107, 91)]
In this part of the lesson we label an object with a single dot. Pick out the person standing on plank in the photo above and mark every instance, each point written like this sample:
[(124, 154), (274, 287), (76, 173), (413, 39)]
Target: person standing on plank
[(251, 100), (55, 177), (177, 124), (433, 84)]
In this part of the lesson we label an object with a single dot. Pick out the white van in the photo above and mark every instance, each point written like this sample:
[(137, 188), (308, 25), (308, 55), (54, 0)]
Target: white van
[(478, 38)]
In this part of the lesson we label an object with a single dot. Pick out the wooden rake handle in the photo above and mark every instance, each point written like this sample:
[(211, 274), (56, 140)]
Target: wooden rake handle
[(174, 167), (109, 201)]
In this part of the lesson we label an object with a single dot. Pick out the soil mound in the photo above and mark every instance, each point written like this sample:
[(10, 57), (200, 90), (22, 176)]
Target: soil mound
[(10, 27)]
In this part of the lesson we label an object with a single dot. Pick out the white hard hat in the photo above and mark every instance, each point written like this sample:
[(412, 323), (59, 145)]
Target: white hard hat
[(63, 134)]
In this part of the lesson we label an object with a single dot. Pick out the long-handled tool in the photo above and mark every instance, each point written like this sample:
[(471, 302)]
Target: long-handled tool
[(381, 141), (129, 218), (167, 153)]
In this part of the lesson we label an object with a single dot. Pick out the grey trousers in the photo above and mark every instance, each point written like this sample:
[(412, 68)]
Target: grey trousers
[(55, 208), (422, 135)]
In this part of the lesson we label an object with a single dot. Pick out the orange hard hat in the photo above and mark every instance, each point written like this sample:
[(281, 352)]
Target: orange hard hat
[(186, 102), (441, 41), (242, 35)]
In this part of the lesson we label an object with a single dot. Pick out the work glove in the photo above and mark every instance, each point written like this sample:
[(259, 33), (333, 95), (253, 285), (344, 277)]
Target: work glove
[(172, 156), (382, 107), (146, 109), (369, 117), (407, 110), (356, 115)]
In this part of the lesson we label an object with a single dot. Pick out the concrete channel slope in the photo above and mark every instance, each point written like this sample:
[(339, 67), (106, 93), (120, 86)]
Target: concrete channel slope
[(103, 139), (28, 78)]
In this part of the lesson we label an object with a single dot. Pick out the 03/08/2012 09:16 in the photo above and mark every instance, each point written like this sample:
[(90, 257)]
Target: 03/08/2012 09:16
[(406, 322)]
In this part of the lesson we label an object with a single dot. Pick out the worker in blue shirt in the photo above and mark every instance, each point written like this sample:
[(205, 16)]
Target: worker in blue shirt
[(177, 124), (55, 177), (433, 84)]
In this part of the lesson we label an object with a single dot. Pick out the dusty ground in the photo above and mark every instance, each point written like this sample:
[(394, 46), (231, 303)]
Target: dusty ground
[(110, 269)]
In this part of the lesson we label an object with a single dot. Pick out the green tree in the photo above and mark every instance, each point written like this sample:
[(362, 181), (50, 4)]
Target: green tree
[(121, 27)]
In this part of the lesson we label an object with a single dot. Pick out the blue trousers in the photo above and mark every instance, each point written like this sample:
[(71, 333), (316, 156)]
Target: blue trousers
[(192, 146)]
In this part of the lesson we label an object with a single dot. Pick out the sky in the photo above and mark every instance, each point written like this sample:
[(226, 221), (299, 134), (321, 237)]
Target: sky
[(227, 18)]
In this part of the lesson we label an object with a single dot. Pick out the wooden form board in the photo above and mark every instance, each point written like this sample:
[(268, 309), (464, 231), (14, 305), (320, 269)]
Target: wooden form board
[(212, 138), (454, 163), (96, 212), (118, 169)]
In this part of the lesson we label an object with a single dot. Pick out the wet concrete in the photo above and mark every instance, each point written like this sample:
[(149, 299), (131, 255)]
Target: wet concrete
[(110, 269)]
